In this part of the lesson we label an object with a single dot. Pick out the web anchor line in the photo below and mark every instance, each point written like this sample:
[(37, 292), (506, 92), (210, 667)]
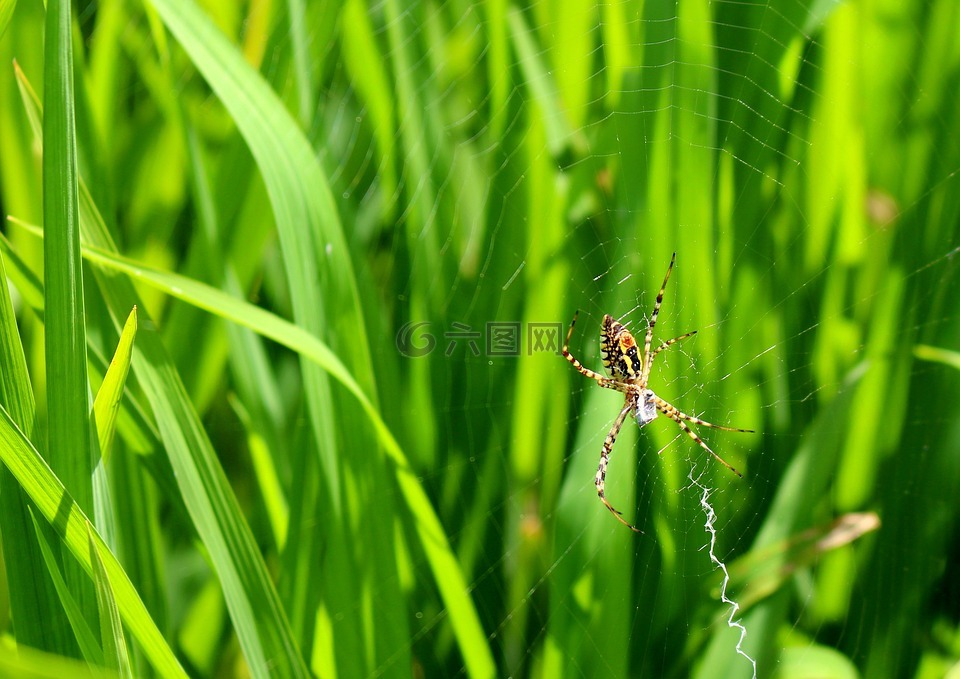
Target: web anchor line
[(734, 606)]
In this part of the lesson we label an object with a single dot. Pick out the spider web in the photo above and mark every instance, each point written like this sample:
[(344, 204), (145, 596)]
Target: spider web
[(498, 166), (549, 158)]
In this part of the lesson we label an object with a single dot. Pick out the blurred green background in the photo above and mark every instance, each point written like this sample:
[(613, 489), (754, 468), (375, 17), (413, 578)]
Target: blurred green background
[(322, 459)]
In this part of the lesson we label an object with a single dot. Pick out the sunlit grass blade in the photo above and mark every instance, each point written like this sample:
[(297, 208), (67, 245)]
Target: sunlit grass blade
[(135, 426), (107, 404), (266, 475), (28, 663), (70, 523), (139, 532), (938, 355), (33, 600), (15, 394), (89, 647), (6, 11), (237, 310), (113, 642), (366, 64), (303, 69)]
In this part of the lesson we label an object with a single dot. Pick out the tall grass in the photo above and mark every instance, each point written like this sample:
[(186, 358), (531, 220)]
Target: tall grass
[(296, 218)]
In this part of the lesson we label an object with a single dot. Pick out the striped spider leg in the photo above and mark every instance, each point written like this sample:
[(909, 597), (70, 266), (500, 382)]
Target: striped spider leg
[(628, 373)]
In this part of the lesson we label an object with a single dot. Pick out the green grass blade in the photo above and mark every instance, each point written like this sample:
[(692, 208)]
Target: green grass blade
[(86, 639), (266, 476), (111, 629), (368, 70), (33, 601), (28, 663), (540, 417), (141, 546), (443, 562), (255, 609), (315, 250), (237, 310), (68, 395), (590, 622), (319, 277), (134, 496), (543, 89), (107, 404), (302, 68), (30, 287), (70, 523), (307, 221), (926, 352), (248, 315), (66, 342), (15, 393), (6, 11), (135, 427)]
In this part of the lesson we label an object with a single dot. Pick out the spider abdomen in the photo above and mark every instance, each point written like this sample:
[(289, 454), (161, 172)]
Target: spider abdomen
[(618, 350)]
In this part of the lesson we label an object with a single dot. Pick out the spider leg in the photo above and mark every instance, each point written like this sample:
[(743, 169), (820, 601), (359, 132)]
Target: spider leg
[(679, 418), (601, 477), (602, 380), (668, 343), (668, 409), (647, 358)]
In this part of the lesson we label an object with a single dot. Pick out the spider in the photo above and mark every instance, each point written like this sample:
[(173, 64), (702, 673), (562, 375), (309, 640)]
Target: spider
[(627, 373)]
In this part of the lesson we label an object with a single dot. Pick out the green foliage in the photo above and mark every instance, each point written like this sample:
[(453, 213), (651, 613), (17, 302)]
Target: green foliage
[(303, 473)]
